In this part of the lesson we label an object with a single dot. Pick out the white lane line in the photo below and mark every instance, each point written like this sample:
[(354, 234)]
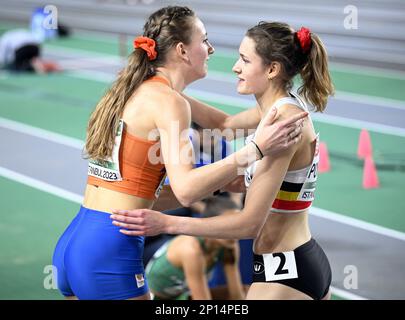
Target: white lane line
[(333, 216), (346, 294), (41, 133), (67, 195), (80, 64), (370, 100), (80, 53), (93, 75), (40, 185), (358, 124)]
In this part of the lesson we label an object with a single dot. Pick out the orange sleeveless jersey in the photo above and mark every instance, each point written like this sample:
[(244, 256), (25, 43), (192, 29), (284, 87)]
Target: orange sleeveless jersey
[(140, 177)]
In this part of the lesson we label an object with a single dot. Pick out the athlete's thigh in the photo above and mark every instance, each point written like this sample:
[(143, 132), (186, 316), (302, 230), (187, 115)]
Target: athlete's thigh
[(274, 291)]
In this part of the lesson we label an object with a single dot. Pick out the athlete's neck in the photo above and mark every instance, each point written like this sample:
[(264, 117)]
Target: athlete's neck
[(175, 78), (269, 97)]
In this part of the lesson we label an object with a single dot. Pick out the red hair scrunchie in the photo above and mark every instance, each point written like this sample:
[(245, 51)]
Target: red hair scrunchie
[(146, 44), (304, 37)]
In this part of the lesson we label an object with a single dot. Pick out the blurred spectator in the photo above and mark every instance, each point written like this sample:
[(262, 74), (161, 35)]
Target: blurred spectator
[(182, 265), (20, 50)]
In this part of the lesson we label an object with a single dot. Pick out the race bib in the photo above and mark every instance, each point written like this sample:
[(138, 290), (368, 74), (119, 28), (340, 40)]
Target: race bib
[(280, 266), (160, 187), (109, 169), (252, 168), (249, 174), (307, 192)]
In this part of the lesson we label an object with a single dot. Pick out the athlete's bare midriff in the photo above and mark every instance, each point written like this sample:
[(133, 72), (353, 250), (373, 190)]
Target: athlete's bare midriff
[(102, 199), (283, 232)]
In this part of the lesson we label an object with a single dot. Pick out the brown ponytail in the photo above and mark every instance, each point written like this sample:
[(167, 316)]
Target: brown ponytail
[(317, 85)]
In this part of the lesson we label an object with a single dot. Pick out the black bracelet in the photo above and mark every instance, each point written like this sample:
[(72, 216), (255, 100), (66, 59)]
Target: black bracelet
[(261, 153)]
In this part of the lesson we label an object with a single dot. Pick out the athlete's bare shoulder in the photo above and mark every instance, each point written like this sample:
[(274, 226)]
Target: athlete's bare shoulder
[(169, 107), (173, 102), (287, 110)]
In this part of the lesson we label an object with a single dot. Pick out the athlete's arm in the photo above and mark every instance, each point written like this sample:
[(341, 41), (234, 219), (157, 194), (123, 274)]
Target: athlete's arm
[(260, 196), (212, 118), (232, 274), (167, 200), (190, 185), (194, 265)]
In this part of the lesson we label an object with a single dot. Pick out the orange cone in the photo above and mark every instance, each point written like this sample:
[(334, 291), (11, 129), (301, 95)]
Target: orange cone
[(370, 177), (324, 165), (364, 149)]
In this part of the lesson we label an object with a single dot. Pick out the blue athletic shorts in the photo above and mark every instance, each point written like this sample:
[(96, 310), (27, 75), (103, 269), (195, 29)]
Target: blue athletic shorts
[(95, 261)]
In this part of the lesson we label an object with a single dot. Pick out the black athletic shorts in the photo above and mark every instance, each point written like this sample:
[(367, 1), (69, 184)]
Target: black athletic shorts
[(305, 269)]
